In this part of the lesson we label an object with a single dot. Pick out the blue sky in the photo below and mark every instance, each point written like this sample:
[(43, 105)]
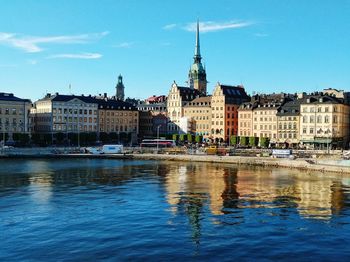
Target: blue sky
[(266, 45)]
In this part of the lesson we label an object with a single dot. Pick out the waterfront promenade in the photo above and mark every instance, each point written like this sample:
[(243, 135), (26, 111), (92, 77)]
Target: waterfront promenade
[(325, 163)]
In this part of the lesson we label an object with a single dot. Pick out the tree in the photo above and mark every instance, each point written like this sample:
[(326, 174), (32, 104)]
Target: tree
[(243, 141), (253, 141), (233, 140), (198, 139), (182, 137), (189, 138), (175, 137), (264, 141)]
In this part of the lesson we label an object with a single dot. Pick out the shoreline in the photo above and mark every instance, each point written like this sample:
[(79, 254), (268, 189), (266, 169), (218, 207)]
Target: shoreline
[(299, 163)]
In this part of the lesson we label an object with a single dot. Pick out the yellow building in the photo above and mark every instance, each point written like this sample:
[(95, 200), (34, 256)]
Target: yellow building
[(178, 97), (265, 121), (199, 113), (118, 117), (245, 119), (225, 102), (324, 121), (14, 115)]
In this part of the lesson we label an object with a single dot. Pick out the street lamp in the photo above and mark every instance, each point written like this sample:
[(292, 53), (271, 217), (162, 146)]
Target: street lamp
[(328, 132), (158, 136)]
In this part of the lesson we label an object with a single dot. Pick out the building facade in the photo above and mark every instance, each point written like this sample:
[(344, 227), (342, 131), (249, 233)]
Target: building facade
[(245, 119), (178, 97), (118, 117), (14, 116), (225, 102), (65, 114), (288, 117), (199, 113), (153, 117), (324, 121)]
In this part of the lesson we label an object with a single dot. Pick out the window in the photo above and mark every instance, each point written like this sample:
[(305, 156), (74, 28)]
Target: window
[(319, 119), (335, 119), (326, 119), (304, 119), (304, 130), (311, 130)]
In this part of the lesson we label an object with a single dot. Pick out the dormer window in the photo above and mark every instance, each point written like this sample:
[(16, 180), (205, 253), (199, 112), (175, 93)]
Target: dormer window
[(308, 100)]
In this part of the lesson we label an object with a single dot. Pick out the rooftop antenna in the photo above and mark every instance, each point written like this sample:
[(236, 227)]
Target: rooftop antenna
[(70, 89)]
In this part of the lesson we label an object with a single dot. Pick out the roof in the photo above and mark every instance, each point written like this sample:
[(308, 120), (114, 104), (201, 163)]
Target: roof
[(11, 97), (321, 98), (200, 101), (65, 98), (115, 104), (103, 102), (291, 108), (248, 106), (234, 91), (187, 93)]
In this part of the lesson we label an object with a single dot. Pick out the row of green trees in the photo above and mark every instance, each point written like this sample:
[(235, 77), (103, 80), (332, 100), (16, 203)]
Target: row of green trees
[(249, 141), (189, 138)]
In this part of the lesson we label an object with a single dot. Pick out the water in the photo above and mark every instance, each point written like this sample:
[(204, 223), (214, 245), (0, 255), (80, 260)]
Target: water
[(113, 210)]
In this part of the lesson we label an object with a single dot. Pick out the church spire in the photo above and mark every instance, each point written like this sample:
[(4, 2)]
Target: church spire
[(197, 52), (197, 75), (120, 88)]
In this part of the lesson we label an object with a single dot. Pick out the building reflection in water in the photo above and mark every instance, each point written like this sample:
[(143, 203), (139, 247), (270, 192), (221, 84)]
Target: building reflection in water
[(226, 189)]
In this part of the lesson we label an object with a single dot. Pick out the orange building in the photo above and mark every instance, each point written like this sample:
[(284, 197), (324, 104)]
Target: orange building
[(225, 102)]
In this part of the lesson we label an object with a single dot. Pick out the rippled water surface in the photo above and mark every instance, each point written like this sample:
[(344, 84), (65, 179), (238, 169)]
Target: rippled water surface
[(90, 210)]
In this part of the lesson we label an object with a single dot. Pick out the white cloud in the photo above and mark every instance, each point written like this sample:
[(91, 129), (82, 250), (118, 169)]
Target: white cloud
[(124, 45), (77, 56), (211, 26), (169, 27), (31, 44)]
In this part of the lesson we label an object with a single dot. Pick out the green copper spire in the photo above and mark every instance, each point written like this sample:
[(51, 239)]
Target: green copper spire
[(197, 77), (197, 52)]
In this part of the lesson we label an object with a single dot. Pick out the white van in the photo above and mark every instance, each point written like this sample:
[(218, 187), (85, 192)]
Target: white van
[(112, 149)]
